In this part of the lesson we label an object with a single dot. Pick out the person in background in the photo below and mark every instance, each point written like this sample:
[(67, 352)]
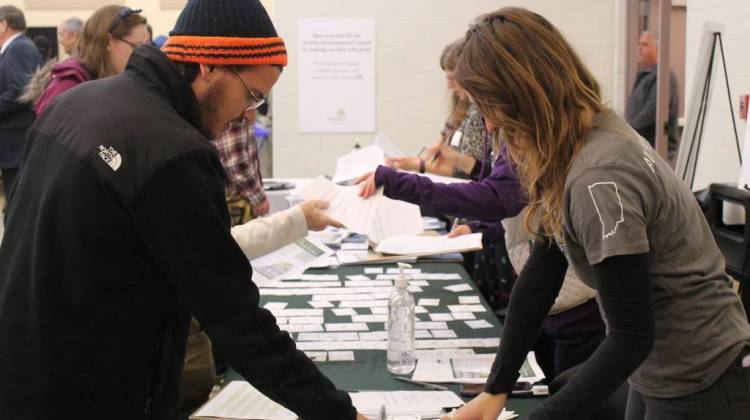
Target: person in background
[(19, 59), (68, 34), (238, 153), (640, 111), (120, 233), (44, 46), (610, 208), (463, 131), (109, 37)]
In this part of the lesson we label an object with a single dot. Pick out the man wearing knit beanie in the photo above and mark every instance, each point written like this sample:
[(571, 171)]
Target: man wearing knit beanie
[(120, 233)]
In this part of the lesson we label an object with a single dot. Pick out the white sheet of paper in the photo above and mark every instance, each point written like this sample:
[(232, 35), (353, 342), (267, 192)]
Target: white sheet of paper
[(344, 311), (295, 328), (292, 259), (379, 310), (431, 325), (419, 309), (306, 320), (441, 317), (373, 270), (340, 356), (378, 217), (468, 300), (297, 312), (423, 334), (328, 336), (409, 271), (467, 308), (316, 356), (444, 334), (363, 304), (240, 400), (478, 324), (470, 369), (461, 316), (347, 327), (355, 246), (428, 302), (369, 318), (359, 277), (276, 305), (413, 244), (456, 288), (404, 403), (320, 304)]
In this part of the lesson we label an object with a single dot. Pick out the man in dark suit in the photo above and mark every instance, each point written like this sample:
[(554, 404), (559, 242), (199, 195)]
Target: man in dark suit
[(19, 58)]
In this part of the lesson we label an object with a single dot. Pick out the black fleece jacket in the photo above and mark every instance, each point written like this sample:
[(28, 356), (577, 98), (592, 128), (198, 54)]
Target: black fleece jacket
[(116, 234)]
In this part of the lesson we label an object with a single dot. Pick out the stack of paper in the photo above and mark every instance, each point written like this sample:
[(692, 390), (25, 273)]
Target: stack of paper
[(404, 403), (472, 369), (240, 400), (429, 245), (378, 217), (292, 259), (357, 163)]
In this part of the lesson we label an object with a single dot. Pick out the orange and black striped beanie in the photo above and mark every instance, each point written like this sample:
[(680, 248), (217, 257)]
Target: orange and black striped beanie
[(224, 33)]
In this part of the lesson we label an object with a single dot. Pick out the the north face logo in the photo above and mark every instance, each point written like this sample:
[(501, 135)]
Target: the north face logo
[(110, 156)]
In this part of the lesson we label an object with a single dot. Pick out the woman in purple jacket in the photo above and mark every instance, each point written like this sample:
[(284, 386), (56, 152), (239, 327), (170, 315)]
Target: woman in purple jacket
[(109, 37)]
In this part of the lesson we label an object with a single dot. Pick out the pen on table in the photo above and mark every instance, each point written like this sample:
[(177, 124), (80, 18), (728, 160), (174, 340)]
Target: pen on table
[(422, 384), (381, 416)]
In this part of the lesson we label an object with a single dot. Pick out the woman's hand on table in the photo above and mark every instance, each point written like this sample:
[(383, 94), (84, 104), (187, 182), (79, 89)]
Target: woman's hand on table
[(484, 406)]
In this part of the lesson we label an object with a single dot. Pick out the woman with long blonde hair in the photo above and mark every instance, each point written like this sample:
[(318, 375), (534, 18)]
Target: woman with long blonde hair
[(615, 211)]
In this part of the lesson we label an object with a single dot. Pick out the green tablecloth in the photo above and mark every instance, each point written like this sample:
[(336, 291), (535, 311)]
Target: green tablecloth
[(368, 370)]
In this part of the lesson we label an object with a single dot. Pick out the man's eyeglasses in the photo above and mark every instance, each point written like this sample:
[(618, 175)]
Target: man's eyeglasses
[(255, 100), (122, 16)]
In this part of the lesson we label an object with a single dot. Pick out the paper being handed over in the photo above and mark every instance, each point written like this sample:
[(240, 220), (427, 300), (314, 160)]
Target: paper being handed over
[(378, 217)]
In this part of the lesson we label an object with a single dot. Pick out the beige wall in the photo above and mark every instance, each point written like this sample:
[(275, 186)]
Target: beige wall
[(410, 87), (718, 159), (161, 19)]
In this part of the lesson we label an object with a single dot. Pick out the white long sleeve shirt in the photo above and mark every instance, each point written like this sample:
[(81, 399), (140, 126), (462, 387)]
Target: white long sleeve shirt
[(266, 234)]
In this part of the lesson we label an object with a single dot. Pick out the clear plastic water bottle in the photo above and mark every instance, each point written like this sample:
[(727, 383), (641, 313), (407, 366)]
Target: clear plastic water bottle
[(401, 358)]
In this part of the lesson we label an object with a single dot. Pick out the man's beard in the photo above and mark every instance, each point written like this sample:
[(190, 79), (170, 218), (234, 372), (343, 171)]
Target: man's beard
[(210, 124)]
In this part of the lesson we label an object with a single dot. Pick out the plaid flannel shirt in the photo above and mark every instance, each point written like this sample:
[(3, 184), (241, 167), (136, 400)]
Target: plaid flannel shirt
[(238, 152)]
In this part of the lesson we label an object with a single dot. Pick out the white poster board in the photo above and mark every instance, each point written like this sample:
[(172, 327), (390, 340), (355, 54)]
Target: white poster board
[(337, 75)]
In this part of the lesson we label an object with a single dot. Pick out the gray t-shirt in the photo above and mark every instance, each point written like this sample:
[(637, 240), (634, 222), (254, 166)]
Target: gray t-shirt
[(620, 199)]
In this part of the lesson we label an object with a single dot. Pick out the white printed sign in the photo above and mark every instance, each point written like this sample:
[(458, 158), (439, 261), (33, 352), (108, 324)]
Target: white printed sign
[(337, 75)]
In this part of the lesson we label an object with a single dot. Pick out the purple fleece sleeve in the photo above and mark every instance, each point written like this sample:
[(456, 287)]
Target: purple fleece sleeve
[(494, 198)]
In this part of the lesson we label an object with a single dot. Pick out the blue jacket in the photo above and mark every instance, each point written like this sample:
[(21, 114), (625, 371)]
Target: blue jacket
[(17, 64)]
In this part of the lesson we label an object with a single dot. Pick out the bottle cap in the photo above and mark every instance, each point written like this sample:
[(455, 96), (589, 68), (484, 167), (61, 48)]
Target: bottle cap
[(402, 281)]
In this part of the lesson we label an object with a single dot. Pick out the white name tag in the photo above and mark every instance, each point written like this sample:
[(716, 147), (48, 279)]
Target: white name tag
[(456, 139)]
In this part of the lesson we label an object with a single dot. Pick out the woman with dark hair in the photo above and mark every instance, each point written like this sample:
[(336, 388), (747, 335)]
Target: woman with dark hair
[(616, 212), (108, 38)]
